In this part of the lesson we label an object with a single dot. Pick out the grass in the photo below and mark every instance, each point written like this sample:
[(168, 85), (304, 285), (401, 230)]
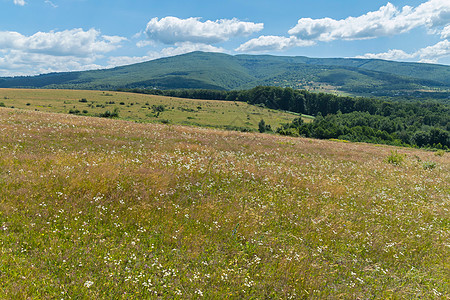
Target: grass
[(94, 208), (141, 108)]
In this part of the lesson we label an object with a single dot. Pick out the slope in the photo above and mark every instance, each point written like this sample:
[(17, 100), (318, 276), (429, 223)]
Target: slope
[(95, 208), (226, 72)]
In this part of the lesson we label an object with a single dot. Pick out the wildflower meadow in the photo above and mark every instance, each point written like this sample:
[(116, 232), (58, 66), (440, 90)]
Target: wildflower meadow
[(95, 208)]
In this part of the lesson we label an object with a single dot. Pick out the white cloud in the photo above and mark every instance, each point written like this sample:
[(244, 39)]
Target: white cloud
[(41, 52), (17, 63), (171, 30), (187, 47), (272, 43), (433, 53), (75, 42), (386, 21), (142, 44), (429, 54), (114, 39), (393, 54), (19, 2), (51, 3), (445, 34)]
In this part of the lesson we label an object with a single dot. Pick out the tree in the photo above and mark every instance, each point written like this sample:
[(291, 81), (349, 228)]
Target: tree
[(262, 127)]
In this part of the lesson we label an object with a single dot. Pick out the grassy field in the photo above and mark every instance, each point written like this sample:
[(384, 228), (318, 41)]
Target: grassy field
[(94, 208), (144, 108)]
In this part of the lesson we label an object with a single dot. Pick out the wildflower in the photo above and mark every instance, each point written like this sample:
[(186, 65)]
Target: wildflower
[(88, 283), (437, 293)]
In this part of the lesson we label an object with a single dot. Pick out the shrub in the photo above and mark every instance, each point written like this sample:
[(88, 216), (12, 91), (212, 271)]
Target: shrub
[(2, 104), (74, 111), (440, 153), (288, 131), (158, 108), (429, 165), (84, 100), (109, 114), (395, 158)]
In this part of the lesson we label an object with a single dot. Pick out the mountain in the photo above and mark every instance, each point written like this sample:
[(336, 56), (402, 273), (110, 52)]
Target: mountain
[(226, 72)]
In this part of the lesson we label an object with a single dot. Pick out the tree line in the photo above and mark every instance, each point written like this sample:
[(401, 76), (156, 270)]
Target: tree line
[(362, 119)]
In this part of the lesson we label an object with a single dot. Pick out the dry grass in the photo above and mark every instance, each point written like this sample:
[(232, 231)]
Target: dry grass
[(98, 208)]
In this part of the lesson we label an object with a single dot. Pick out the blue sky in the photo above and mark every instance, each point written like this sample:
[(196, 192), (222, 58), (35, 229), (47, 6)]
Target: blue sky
[(41, 36)]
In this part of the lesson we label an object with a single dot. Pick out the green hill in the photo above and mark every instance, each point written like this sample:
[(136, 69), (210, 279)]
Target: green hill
[(226, 72)]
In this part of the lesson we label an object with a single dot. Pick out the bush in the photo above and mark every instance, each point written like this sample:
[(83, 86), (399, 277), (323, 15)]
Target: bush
[(440, 153), (429, 165), (288, 131), (158, 108), (395, 158), (84, 100), (2, 104), (74, 111), (109, 114)]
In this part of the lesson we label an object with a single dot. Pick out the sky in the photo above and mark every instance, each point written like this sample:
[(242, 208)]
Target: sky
[(42, 36)]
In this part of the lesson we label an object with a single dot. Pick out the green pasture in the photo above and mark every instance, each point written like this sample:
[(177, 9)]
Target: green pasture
[(146, 108)]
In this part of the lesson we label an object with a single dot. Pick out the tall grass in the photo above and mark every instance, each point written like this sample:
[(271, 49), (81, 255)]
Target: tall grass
[(99, 208)]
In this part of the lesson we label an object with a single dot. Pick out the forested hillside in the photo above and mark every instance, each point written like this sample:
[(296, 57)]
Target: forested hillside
[(200, 70), (361, 119)]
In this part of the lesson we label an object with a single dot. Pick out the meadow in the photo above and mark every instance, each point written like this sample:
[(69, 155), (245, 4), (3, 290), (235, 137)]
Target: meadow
[(95, 208), (147, 108)]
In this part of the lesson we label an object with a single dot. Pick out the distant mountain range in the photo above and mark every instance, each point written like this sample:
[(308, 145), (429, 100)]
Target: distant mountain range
[(202, 70)]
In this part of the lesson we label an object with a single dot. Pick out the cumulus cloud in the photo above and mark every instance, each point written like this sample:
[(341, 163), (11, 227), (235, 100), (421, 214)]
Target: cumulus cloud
[(75, 42), (186, 47), (171, 30), (52, 51), (142, 44), (19, 2), (17, 63), (386, 21), (445, 34), (429, 54), (433, 53), (393, 54), (272, 43)]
